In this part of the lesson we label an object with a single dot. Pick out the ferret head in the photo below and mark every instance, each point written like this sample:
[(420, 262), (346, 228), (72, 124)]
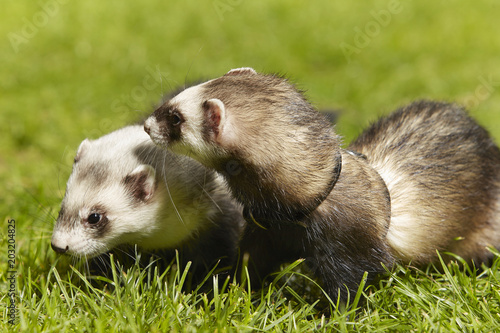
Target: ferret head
[(111, 197), (193, 124), (275, 150)]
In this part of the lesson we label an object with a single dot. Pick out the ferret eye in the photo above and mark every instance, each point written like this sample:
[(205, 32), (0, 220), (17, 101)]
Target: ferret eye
[(175, 119), (94, 218)]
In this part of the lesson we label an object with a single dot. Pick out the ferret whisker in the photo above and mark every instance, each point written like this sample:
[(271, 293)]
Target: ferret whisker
[(61, 194), (164, 175), (104, 259), (79, 263), (95, 262), (45, 218), (211, 199), (203, 185), (44, 208), (86, 266), (127, 253)]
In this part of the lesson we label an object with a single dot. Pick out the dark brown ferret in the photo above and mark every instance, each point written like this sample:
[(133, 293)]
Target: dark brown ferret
[(425, 178)]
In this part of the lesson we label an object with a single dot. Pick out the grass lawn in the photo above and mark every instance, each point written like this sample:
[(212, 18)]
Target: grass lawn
[(76, 69)]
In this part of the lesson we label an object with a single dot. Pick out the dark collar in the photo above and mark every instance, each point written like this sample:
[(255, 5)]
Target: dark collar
[(264, 221)]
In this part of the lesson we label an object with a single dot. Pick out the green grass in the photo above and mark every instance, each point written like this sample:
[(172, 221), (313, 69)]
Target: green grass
[(81, 69), (143, 300)]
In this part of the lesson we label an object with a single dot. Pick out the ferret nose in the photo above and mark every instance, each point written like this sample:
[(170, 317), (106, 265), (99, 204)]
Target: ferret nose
[(59, 249)]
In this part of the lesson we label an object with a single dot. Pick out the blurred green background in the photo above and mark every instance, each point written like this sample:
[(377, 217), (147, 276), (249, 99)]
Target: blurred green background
[(76, 69)]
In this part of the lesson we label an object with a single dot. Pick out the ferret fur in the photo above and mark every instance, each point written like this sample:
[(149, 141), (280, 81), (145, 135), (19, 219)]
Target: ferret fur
[(425, 178), (145, 196)]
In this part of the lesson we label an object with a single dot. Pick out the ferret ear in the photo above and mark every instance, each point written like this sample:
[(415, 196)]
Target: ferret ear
[(215, 115), (141, 182), (242, 70), (81, 149)]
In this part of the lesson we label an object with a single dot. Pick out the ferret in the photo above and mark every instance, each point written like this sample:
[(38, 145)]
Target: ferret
[(422, 180), (125, 190)]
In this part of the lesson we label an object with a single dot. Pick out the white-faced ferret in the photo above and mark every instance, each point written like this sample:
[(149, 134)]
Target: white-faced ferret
[(425, 178), (125, 190)]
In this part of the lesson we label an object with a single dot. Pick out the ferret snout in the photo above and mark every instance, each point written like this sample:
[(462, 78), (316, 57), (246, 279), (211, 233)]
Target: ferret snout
[(58, 244), (152, 128), (59, 249), (160, 131)]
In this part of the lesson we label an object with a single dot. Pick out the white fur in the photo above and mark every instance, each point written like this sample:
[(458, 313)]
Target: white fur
[(192, 144), (191, 101), (163, 220), (410, 230), (83, 146), (249, 70)]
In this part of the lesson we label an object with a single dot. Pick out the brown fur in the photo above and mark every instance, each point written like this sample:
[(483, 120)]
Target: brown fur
[(413, 183), (340, 240), (443, 172), (281, 151)]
